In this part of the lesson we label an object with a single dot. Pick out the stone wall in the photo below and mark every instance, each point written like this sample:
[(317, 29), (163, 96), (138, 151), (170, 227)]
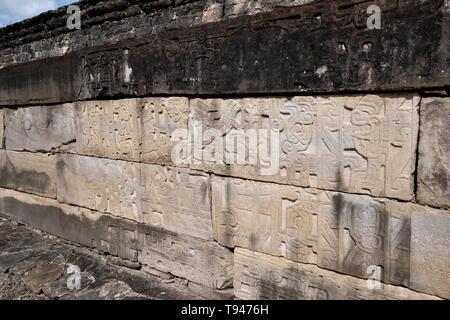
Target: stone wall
[(288, 154)]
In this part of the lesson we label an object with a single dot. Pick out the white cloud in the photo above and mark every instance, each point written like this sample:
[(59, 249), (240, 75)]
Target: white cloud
[(15, 10)]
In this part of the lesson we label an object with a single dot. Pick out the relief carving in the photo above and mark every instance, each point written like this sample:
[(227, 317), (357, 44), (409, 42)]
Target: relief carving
[(106, 73), (341, 232), (258, 276), (164, 197), (336, 143), (130, 129)]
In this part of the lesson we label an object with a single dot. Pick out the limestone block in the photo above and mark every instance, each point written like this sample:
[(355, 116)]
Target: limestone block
[(350, 234), (28, 172), (203, 262), (40, 128), (358, 144), (236, 8), (341, 232), (161, 117), (430, 252), (64, 221), (108, 129), (131, 129), (434, 153), (176, 199), (2, 128), (172, 199), (259, 276)]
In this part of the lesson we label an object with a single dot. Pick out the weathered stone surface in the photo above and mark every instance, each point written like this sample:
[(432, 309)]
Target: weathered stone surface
[(203, 262), (360, 144), (430, 253), (169, 198), (259, 276), (47, 35), (108, 129), (235, 8), (240, 56), (337, 231), (39, 128), (2, 128), (131, 129), (434, 153), (342, 232), (42, 274), (29, 172), (50, 257), (41, 82)]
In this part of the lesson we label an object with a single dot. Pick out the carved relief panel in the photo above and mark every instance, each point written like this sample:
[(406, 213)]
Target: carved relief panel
[(107, 73), (336, 143), (108, 129), (341, 232), (130, 129), (173, 199), (259, 276)]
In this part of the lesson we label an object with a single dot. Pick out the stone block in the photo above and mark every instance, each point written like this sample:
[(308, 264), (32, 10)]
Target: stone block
[(28, 172), (173, 199), (259, 276), (357, 144), (40, 128), (430, 252), (203, 262), (433, 181), (2, 128), (235, 8), (214, 58), (347, 233), (337, 231), (108, 129), (161, 118), (131, 129)]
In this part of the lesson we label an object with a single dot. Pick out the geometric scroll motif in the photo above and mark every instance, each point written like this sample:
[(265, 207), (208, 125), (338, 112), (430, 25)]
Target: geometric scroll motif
[(340, 232), (173, 199), (130, 129), (357, 144), (260, 276)]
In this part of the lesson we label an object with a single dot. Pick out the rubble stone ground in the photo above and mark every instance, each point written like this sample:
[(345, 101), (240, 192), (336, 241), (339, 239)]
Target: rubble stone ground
[(37, 266)]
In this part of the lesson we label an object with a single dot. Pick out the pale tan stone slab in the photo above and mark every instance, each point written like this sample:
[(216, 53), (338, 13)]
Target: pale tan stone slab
[(28, 172), (203, 262), (337, 231), (108, 129), (169, 198), (41, 128), (260, 276), (357, 144), (2, 128), (342, 232), (430, 251), (235, 8), (131, 129), (161, 118), (99, 184), (433, 183)]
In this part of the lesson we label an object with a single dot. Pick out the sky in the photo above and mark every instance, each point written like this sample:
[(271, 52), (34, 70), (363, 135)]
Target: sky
[(16, 10)]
